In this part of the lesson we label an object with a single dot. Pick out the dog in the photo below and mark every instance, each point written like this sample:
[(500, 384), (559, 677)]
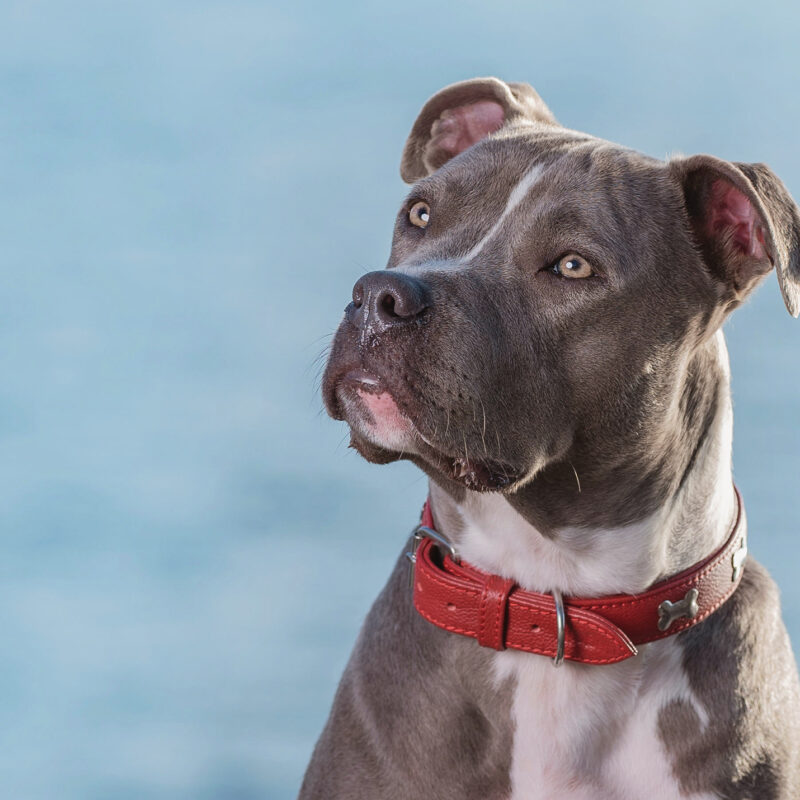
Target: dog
[(576, 616)]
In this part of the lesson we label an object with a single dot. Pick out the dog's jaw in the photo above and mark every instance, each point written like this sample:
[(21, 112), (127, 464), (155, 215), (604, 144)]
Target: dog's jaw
[(382, 432)]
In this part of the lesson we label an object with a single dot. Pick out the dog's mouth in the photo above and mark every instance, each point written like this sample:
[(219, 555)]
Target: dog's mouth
[(382, 430), (481, 476)]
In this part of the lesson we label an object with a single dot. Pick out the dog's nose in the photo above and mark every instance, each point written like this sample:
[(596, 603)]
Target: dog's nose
[(382, 300)]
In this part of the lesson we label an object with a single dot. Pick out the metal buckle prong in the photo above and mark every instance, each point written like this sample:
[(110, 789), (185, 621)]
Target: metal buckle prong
[(422, 532), (561, 619)]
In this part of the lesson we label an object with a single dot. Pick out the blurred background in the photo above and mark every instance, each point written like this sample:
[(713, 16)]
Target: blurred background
[(189, 190)]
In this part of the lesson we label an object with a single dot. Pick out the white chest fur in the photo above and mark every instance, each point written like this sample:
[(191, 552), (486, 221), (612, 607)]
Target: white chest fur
[(582, 731), (590, 733)]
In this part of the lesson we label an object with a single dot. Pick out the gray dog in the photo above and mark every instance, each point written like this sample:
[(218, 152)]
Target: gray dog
[(546, 346)]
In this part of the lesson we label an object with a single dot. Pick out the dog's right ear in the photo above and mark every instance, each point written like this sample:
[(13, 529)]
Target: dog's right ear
[(461, 115)]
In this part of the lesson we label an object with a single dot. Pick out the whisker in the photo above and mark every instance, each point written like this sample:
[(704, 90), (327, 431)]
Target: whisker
[(576, 476), (319, 359), (483, 431)]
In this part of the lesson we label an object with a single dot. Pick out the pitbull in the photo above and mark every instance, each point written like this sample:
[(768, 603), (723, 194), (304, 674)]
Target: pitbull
[(546, 345)]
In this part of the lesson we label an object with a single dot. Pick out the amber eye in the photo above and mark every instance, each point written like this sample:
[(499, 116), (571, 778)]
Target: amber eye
[(419, 214), (573, 266)]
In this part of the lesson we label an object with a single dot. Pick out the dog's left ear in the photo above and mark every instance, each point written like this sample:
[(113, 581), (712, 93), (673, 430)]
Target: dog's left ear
[(462, 114), (745, 222)]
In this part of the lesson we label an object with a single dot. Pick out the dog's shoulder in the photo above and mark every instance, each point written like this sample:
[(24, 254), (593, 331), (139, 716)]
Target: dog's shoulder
[(413, 694), (740, 666)]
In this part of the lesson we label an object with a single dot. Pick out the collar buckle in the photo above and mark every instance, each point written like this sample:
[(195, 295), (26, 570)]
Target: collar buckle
[(422, 532)]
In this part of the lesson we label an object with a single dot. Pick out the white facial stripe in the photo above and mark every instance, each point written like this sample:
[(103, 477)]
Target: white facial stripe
[(426, 267), (518, 194)]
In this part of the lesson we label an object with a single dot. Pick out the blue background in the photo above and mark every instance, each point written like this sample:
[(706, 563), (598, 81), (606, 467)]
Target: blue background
[(189, 190)]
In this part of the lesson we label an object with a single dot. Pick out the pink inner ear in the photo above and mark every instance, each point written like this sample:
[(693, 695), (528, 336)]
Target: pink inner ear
[(460, 127), (729, 210)]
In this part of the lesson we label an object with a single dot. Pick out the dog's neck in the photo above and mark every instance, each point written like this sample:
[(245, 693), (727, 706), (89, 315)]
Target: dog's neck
[(584, 560)]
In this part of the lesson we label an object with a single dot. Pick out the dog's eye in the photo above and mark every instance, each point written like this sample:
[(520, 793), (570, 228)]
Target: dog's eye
[(419, 214), (573, 266)]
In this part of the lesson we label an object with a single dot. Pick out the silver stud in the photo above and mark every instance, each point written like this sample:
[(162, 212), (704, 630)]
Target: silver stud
[(687, 608), (737, 560)]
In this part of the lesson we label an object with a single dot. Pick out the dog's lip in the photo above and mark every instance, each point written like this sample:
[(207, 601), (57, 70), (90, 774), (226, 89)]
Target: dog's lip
[(349, 381), (482, 476), (362, 379)]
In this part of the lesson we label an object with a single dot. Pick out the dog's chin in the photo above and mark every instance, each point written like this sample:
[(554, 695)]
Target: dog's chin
[(374, 453), (478, 476), (381, 433)]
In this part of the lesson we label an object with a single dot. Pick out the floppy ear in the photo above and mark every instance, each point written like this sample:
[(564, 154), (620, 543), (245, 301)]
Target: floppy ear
[(745, 222), (462, 114)]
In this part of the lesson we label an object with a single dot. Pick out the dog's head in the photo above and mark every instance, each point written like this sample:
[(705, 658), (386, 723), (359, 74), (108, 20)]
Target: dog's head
[(545, 293)]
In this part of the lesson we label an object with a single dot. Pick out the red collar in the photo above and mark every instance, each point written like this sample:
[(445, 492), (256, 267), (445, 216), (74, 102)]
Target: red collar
[(603, 630)]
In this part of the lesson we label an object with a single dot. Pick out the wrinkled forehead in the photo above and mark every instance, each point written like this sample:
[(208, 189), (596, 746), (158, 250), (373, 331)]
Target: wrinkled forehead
[(508, 155), (559, 160)]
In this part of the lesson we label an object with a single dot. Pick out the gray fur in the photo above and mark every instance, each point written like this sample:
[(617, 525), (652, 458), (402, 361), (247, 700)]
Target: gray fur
[(740, 665)]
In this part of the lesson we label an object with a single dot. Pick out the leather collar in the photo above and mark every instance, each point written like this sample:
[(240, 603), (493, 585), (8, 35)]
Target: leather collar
[(462, 599)]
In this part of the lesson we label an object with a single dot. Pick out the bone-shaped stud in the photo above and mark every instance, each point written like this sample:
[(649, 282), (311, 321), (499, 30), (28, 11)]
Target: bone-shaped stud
[(737, 560), (668, 611)]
